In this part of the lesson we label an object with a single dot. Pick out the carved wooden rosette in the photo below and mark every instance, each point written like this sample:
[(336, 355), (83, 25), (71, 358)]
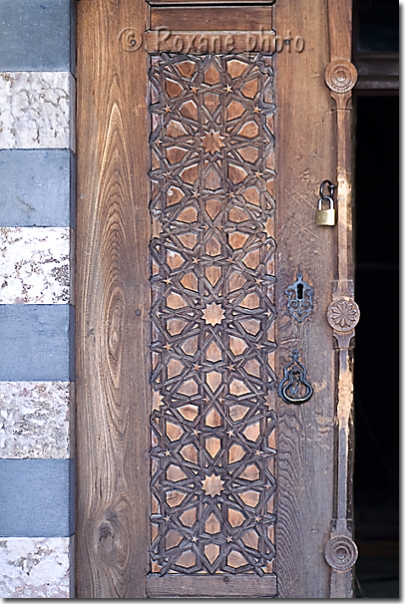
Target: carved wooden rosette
[(341, 552), (212, 273), (343, 313)]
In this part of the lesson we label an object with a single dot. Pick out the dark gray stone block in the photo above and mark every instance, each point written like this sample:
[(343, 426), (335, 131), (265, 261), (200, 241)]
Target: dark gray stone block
[(37, 342), (37, 35), (37, 497), (37, 188)]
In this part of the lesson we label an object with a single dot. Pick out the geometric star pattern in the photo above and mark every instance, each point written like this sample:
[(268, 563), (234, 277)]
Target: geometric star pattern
[(212, 343)]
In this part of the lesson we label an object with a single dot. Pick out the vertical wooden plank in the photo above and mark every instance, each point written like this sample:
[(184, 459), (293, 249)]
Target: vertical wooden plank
[(305, 152), (112, 303)]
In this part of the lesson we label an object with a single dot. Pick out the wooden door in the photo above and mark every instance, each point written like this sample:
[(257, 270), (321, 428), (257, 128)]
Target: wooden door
[(215, 317)]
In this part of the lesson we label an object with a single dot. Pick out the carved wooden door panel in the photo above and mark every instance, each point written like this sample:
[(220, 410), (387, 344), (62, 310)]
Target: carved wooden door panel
[(213, 441), (208, 455)]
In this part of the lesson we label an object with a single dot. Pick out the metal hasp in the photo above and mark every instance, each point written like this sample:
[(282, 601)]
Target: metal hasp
[(295, 388), (300, 296), (343, 313), (326, 217)]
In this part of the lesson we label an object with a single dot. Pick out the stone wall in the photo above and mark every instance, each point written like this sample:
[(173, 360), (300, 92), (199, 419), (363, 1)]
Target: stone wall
[(37, 233)]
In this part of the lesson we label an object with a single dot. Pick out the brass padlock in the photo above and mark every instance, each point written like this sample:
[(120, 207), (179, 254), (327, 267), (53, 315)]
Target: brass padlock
[(326, 217)]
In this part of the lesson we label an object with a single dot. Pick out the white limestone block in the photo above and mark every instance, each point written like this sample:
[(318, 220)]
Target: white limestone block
[(40, 567), (36, 420), (35, 265), (36, 110)]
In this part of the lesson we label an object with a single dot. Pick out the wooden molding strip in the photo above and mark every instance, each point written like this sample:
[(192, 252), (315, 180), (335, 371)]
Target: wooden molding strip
[(377, 71), (343, 313), (242, 586), (210, 3), (238, 18)]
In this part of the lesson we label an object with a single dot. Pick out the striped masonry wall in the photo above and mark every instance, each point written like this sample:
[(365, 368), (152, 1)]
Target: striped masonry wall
[(37, 227)]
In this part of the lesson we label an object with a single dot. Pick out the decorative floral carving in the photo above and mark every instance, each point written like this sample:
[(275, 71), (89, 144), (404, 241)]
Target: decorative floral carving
[(343, 314)]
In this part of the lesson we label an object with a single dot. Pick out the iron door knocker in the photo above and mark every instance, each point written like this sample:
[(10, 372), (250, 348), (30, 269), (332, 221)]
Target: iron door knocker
[(295, 388)]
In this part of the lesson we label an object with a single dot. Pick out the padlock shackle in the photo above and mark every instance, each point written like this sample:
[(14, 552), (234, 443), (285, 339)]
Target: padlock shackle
[(331, 186), (325, 198)]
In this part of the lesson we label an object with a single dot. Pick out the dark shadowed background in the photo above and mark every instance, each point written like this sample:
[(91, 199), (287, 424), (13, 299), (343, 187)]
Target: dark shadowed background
[(376, 382)]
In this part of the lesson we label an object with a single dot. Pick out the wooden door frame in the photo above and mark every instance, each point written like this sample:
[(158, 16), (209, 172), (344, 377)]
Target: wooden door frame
[(113, 302)]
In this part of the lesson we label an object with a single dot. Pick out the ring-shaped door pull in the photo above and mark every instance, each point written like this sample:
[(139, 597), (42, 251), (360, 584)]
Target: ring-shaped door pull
[(295, 389)]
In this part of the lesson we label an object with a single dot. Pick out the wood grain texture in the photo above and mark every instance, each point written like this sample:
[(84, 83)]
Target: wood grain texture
[(219, 586), (304, 135), (209, 19), (340, 29), (113, 305)]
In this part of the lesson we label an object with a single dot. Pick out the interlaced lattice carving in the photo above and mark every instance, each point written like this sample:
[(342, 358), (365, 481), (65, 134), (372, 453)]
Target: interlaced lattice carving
[(213, 443)]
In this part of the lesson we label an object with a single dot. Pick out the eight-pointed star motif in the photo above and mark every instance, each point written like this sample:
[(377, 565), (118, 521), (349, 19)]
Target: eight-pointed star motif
[(213, 314), (212, 142)]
